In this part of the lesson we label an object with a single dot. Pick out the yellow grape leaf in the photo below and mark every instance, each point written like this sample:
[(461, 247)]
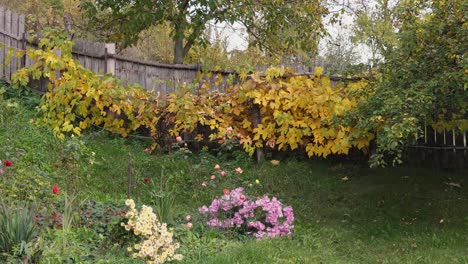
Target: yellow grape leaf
[(67, 127), (199, 137), (77, 131), (275, 162), (318, 71)]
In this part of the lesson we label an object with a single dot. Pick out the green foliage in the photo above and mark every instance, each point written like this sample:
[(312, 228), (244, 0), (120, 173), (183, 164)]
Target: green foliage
[(17, 231), (74, 246), (163, 198), (26, 183), (80, 98), (74, 155), (294, 25), (391, 215), (423, 81), (374, 26)]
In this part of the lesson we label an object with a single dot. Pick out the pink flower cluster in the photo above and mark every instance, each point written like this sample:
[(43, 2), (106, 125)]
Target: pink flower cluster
[(262, 217)]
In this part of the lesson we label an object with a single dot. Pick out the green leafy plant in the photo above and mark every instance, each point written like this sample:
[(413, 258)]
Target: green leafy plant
[(162, 196), (25, 183), (76, 157), (423, 80), (17, 231)]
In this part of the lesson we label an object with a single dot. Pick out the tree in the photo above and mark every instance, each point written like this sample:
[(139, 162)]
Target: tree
[(340, 53), (375, 24), (42, 14), (423, 79), (275, 25)]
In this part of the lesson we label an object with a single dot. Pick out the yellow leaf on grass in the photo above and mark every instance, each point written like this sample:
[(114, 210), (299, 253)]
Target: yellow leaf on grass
[(275, 162)]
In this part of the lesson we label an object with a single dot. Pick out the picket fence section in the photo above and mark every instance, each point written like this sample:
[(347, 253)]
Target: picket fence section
[(12, 28)]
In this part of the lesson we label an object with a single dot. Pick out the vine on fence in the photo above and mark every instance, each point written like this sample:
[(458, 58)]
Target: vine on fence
[(77, 98), (278, 110), (295, 111)]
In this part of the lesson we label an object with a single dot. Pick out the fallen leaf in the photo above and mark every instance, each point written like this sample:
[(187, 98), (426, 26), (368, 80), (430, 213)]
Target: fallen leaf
[(275, 162), (345, 178), (453, 184)]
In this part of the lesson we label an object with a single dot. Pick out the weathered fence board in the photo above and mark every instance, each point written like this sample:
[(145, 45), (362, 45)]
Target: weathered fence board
[(7, 43), (2, 39)]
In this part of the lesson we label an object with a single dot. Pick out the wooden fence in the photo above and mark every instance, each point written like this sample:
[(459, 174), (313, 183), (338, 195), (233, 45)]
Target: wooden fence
[(12, 28), (101, 58), (447, 149)]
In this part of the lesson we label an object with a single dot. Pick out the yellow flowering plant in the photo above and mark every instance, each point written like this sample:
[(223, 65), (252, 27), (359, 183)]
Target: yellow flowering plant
[(156, 245)]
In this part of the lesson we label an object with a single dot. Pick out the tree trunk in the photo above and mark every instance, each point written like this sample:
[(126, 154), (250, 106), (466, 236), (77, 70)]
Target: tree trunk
[(179, 50)]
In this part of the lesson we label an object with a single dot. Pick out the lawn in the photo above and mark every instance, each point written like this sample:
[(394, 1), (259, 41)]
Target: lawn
[(344, 212)]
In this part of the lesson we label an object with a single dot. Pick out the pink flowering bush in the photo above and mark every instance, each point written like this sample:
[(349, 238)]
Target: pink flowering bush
[(263, 217)]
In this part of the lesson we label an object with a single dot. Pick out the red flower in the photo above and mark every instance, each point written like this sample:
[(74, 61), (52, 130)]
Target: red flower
[(242, 197), (55, 189), (147, 180), (226, 191), (8, 163)]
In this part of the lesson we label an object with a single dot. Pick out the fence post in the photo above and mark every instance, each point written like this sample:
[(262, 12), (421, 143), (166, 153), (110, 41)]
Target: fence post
[(22, 36), (454, 140), (7, 44), (425, 132), (445, 139), (464, 143), (109, 58)]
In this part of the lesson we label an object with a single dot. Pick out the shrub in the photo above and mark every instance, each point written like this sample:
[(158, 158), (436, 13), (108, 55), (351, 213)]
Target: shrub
[(156, 244), (17, 230), (261, 217)]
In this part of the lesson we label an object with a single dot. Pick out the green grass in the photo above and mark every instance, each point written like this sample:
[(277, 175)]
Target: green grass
[(393, 215)]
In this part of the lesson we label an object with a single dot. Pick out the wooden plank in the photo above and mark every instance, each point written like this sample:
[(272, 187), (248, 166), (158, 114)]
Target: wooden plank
[(134, 78), (22, 42), (87, 63), (118, 70), (14, 41), (99, 68), (7, 42), (102, 67), (89, 48), (148, 84), (454, 139), (95, 65), (14, 24), (82, 60), (136, 68), (2, 40), (129, 72), (110, 62), (21, 26), (142, 75), (127, 68)]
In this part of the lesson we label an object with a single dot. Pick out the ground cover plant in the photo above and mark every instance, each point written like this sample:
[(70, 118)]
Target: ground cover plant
[(343, 213)]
